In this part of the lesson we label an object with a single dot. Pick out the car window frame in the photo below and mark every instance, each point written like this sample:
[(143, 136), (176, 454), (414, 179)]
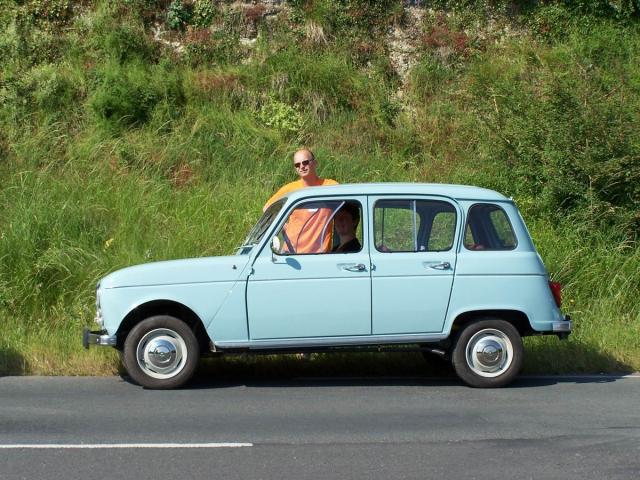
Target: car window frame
[(422, 228), (466, 223), (360, 199)]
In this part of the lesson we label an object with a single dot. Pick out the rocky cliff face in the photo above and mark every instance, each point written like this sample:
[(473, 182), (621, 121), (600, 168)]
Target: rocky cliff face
[(400, 40)]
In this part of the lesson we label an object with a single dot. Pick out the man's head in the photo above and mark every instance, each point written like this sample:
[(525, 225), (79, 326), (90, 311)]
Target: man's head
[(346, 219), (305, 164)]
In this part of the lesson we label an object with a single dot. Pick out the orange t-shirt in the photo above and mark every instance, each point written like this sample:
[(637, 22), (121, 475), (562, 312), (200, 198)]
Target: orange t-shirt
[(297, 185), (304, 226)]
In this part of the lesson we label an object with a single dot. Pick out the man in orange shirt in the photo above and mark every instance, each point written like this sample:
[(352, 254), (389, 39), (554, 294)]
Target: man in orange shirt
[(305, 226)]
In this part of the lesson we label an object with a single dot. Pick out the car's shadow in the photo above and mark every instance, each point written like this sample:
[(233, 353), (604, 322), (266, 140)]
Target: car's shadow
[(349, 369), (204, 382)]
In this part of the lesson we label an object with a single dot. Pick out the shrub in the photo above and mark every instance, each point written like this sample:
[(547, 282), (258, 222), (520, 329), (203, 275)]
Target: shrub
[(551, 21), (127, 42), (203, 13), (202, 47), (124, 98), (24, 45), (148, 10), (347, 17), (49, 87), (9, 40), (127, 95), (53, 11), (178, 15), (605, 8), (295, 76), (279, 115), (389, 110)]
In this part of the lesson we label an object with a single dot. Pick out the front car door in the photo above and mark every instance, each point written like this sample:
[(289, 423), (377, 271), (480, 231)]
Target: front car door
[(303, 289), (413, 260)]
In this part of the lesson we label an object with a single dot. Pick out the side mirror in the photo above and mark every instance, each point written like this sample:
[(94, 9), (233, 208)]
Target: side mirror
[(275, 245)]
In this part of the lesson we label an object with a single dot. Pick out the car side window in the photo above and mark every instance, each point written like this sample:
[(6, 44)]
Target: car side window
[(393, 223), (488, 228), (414, 225), (443, 229), (317, 227)]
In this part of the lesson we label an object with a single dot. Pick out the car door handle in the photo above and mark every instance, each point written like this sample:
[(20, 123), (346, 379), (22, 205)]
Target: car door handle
[(358, 267), (438, 266)]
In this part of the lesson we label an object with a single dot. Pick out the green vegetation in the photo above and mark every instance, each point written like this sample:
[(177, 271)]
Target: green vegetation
[(117, 148)]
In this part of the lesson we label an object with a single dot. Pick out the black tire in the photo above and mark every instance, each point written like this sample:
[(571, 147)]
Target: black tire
[(501, 358), (161, 353)]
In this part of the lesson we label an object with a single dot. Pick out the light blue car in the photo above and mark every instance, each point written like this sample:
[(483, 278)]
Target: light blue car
[(449, 270)]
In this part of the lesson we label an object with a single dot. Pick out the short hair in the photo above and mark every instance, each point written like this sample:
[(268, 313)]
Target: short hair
[(353, 209)]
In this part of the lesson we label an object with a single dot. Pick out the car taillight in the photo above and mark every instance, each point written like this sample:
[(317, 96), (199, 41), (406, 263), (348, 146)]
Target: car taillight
[(556, 290)]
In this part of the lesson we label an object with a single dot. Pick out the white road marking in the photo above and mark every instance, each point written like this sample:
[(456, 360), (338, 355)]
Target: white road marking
[(89, 446)]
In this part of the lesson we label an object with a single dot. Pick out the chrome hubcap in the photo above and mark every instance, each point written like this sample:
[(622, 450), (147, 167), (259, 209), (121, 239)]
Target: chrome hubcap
[(489, 353), (161, 353)]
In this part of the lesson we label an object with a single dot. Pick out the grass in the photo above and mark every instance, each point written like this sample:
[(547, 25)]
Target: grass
[(116, 151)]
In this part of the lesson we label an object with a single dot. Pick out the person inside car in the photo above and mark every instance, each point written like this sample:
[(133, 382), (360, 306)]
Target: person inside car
[(345, 223)]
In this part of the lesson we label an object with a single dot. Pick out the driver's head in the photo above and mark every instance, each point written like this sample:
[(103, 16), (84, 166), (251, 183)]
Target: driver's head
[(346, 219)]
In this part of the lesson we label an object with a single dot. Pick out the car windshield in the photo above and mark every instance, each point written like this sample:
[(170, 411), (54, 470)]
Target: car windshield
[(260, 228)]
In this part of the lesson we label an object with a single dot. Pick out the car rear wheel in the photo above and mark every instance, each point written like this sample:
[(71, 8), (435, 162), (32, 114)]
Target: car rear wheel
[(488, 353), (161, 352)]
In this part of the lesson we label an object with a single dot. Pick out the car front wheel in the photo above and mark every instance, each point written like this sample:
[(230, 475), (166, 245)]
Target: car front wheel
[(161, 352), (488, 353)]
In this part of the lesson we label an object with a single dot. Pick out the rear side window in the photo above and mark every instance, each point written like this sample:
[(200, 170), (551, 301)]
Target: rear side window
[(414, 225), (488, 228)]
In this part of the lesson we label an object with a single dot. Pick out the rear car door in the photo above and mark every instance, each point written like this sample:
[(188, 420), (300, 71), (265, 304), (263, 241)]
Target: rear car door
[(413, 260)]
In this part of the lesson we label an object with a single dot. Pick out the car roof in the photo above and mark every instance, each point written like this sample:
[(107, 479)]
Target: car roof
[(457, 192)]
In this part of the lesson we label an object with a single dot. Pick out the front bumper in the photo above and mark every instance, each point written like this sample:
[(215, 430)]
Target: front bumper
[(97, 338), (562, 329)]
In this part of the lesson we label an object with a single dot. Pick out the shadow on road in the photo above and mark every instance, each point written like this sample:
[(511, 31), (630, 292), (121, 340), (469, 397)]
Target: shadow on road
[(202, 381), (528, 381), (348, 369)]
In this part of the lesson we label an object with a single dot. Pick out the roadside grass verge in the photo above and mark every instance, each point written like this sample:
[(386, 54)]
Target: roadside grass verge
[(114, 151)]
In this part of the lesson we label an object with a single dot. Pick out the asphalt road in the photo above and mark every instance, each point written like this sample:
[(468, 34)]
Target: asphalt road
[(398, 428)]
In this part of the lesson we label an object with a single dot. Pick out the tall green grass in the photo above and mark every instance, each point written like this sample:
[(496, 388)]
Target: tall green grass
[(115, 150)]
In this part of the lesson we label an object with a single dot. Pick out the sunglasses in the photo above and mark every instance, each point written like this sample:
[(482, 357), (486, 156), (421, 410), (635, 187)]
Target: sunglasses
[(303, 163)]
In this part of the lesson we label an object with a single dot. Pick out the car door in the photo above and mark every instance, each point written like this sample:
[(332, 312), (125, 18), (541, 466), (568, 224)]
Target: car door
[(303, 289), (413, 260)]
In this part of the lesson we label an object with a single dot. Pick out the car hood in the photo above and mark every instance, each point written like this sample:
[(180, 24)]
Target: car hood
[(174, 272)]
